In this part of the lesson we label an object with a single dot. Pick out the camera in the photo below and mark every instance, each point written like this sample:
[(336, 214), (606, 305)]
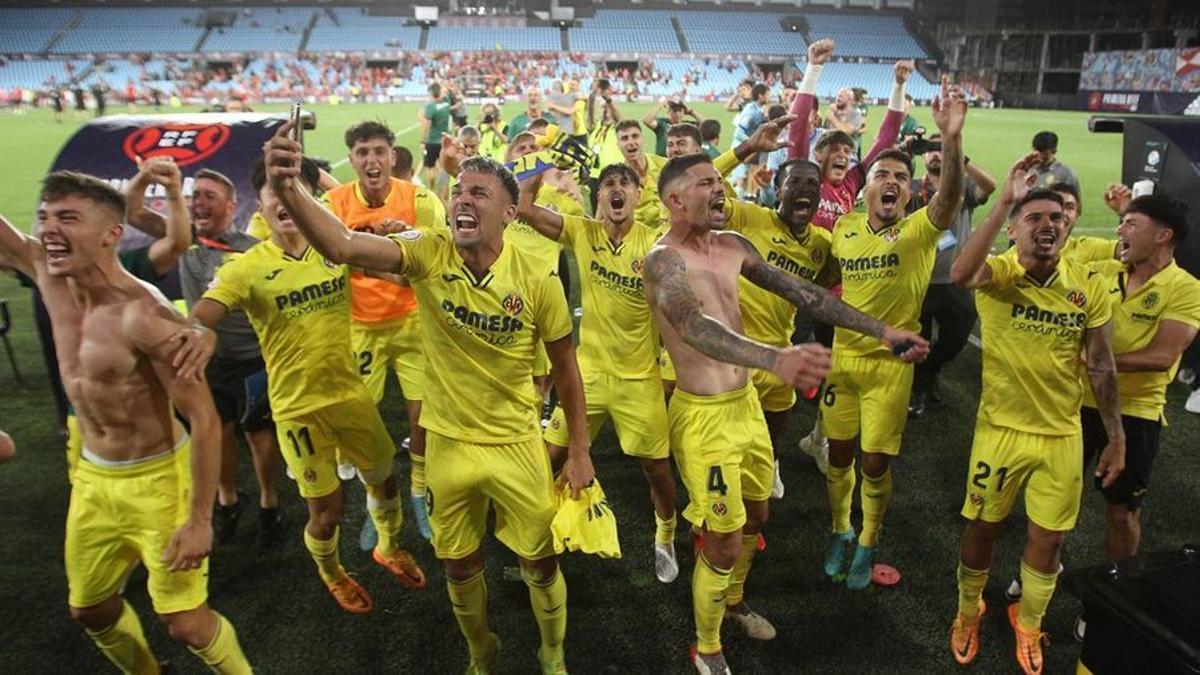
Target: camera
[(490, 118), (919, 145)]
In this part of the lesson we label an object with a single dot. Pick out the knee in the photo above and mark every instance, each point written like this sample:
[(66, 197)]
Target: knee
[(757, 515), (722, 550), (95, 619), (191, 628), (463, 569), (875, 464), (841, 453), (539, 572), (656, 468), (324, 521), (1120, 517)]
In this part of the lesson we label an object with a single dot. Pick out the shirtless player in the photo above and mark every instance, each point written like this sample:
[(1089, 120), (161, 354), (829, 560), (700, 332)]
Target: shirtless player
[(716, 423), (134, 497)]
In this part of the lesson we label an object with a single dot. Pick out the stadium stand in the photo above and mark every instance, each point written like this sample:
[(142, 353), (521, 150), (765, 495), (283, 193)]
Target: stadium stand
[(511, 39), (274, 29), (116, 29), (350, 28)]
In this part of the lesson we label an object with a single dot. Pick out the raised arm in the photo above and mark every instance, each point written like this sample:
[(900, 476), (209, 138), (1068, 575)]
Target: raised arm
[(949, 112), (968, 269), (666, 278), (806, 99), (18, 251), (651, 118), (136, 213), (985, 185), (548, 223), (822, 305), (320, 227), (1102, 374), (177, 235), (889, 129)]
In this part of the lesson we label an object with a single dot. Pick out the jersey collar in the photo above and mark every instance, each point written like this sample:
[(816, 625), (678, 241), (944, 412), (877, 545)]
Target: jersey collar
[(362, 199), (486, 278)]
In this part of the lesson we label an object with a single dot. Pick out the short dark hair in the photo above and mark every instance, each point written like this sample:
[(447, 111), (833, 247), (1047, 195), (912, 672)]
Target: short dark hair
[(368, 130), (759, 89), (791, 165), (469, 131), (1165, 211), (603, 84), (217, 176), (628, 124), (776, 111), (1045, 140), (619, 168), (894, 155), (710, 130), (539, 123), (404, 159), (485, 164), (61, 184), (435, 90), (1068, 189), (1036, 194), (686, 129), (677, 166), (834, 138), (310, 174)]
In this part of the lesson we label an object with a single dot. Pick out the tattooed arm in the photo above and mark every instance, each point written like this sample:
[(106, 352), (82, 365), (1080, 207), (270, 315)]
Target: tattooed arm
[(820, 303), (666, 278), (1102, 373)]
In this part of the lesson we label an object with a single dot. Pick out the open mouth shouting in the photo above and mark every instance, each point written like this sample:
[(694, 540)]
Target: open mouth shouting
[(465, 222), (716, 208), (890, 197), (617, 201), (1122, 249), (1045, 239), (373, 174), (284, 218), (57, 251)]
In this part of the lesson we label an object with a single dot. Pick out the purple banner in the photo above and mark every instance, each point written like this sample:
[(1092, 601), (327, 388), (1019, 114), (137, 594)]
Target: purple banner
[(1158, 103)]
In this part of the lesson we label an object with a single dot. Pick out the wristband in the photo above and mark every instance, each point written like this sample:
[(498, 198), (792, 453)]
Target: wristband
[(812, 73)]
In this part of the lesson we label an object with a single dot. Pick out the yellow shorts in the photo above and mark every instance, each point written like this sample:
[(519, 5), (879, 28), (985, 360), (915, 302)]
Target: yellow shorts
[(396, 344), (635, 406), (541, 360), (866, 397), (463, 479), (774, 394), (310, 444), (724, 455), (1004, 460), (121, 514), (666, 367)]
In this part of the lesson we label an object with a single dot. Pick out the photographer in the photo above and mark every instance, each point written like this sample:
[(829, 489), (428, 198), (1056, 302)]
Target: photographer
[(492, 141), (910, 126), (952, 308), (677, 111)]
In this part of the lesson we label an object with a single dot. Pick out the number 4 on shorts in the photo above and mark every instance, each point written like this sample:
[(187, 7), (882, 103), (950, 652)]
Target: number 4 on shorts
[(716, 480)]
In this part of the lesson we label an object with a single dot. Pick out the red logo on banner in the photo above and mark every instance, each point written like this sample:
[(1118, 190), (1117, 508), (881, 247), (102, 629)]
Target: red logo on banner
[(185, 143)]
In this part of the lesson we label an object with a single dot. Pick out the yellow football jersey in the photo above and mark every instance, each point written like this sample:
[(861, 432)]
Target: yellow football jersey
[(300, 309), (648, 207), (586, 524), (1088, 249), (520, 234), (617, 334), (884, 274), (1033, 335), (480, 337), (766, 317), (1170, 295)]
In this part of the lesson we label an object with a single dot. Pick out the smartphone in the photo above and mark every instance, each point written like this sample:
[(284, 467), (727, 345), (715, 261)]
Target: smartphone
[(298, 125)]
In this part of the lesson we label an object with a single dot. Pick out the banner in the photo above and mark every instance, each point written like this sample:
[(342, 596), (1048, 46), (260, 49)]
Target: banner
[(229, 143), (1158, 103)]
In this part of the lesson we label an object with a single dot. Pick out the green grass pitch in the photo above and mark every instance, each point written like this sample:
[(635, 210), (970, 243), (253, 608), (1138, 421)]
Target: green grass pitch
[(621, 618)]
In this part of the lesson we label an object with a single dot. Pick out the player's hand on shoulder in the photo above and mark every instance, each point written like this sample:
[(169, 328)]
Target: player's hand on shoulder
[(196, 346), (577, 472), (906, 345), (802, 366), (189, 546)]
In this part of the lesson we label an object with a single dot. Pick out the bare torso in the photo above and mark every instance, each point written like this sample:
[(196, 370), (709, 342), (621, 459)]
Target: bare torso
[(123, 410), (714, 263)]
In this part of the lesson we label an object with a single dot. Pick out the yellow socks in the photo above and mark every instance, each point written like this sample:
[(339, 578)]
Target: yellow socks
[(970, 590), (224, 654), (549, 600), (876, 495), (741, 570), (469, 600), (325, 553), (418, 474), (840, 483), (709, 587), (664, 530), (387, 516), (1036, 589), (125, 644)]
